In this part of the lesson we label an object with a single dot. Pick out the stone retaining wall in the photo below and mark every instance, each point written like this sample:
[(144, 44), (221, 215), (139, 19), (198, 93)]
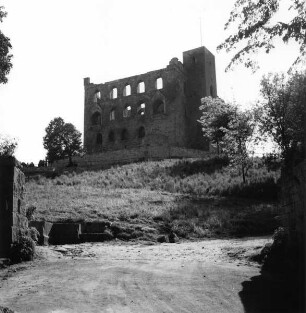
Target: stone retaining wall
[(107, 159), (13, 221), (294, 202)]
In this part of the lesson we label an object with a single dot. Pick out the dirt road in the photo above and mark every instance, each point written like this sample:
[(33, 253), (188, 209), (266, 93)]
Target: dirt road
[(202, 276)]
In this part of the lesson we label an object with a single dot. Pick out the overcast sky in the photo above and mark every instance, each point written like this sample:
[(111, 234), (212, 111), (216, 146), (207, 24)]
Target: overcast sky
[(58, 43)]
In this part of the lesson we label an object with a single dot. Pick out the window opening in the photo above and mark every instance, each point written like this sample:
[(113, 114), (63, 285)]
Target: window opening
[(113, 93), (96, 119), (141, 108), (159, 83), (127, 90), (158, 107), (127, 111), (124, 134), (97, 96), (141, 87), (141, 132), (112, 115)]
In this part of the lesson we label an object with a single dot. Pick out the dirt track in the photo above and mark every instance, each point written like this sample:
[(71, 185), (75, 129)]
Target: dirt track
[(202, 276)]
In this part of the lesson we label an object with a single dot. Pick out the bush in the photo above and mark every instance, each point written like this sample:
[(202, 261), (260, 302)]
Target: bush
[(186, 168), (264, 188), (33, 233), (23, 250), (30, 212), (272, 161), (5, 310)]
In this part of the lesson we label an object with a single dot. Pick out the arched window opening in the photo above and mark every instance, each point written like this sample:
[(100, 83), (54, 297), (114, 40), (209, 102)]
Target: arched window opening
[(211, 90), (97, 96), (127, 111), (127, 90), (159, 83), (124, 135), (141, 87), (158, 107), (141, 132), (141, 108), (112, 115), (114, 93), (111, 136), (99, 139), (96, 119)]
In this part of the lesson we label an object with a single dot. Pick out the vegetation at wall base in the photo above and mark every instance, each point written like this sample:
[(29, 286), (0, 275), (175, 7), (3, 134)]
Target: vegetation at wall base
[(5, 310), (194, 198), (23, 249)]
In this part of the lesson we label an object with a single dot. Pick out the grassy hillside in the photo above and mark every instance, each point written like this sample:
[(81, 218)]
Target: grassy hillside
[(193, 198)]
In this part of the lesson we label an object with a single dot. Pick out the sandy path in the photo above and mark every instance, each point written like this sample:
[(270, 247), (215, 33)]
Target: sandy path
[(185, 277)]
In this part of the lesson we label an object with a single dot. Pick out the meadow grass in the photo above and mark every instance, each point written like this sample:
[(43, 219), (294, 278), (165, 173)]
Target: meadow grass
[(194, 198)]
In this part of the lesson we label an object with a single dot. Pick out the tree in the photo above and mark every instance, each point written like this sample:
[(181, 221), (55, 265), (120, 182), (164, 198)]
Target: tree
[(7, 145), (41, 163), (230, 130), (256, 29), (281, 113), (216, 115), (5, 57), (62, 140), (238, 138)]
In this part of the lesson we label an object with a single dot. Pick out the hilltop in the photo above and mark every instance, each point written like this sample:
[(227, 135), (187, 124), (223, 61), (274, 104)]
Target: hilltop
[(194, 198)]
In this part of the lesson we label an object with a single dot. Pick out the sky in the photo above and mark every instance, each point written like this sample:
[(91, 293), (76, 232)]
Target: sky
[(58, 43)]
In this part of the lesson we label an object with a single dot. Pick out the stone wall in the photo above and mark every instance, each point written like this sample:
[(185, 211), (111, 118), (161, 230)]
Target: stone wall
[(107, 159), (115, 121), (294, 201), (13, 219)]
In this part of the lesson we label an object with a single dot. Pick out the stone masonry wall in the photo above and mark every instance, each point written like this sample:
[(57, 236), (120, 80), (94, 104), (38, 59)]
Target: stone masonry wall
[(107, 159), (294, 201), (114, 119), (13, 219), (158, 124)]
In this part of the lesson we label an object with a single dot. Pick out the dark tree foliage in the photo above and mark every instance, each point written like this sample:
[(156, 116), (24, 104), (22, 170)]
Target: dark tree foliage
[(281, 113), (62, 140), (42, 163), (256, 29), (216, 115), (8, 145), (230, 130), (5, 57)]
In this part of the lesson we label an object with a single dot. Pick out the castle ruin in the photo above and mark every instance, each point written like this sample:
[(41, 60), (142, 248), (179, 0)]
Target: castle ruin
[(156, 108), (148, 116)]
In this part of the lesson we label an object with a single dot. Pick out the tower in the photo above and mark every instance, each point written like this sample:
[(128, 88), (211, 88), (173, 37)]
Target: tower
[(199, 68)]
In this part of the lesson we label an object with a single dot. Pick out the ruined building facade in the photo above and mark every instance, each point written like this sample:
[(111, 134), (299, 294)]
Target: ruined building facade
[(155, 109)]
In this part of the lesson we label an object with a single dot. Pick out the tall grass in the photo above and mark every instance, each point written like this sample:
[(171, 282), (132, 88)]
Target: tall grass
[(180, 195), (196, 177)]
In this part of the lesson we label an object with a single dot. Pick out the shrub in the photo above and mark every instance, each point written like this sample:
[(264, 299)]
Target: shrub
[(33, 233), (264, 189), (186, 168), (30, 212), (277, 256), (23, 250), (272, 161), (5, 310)]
